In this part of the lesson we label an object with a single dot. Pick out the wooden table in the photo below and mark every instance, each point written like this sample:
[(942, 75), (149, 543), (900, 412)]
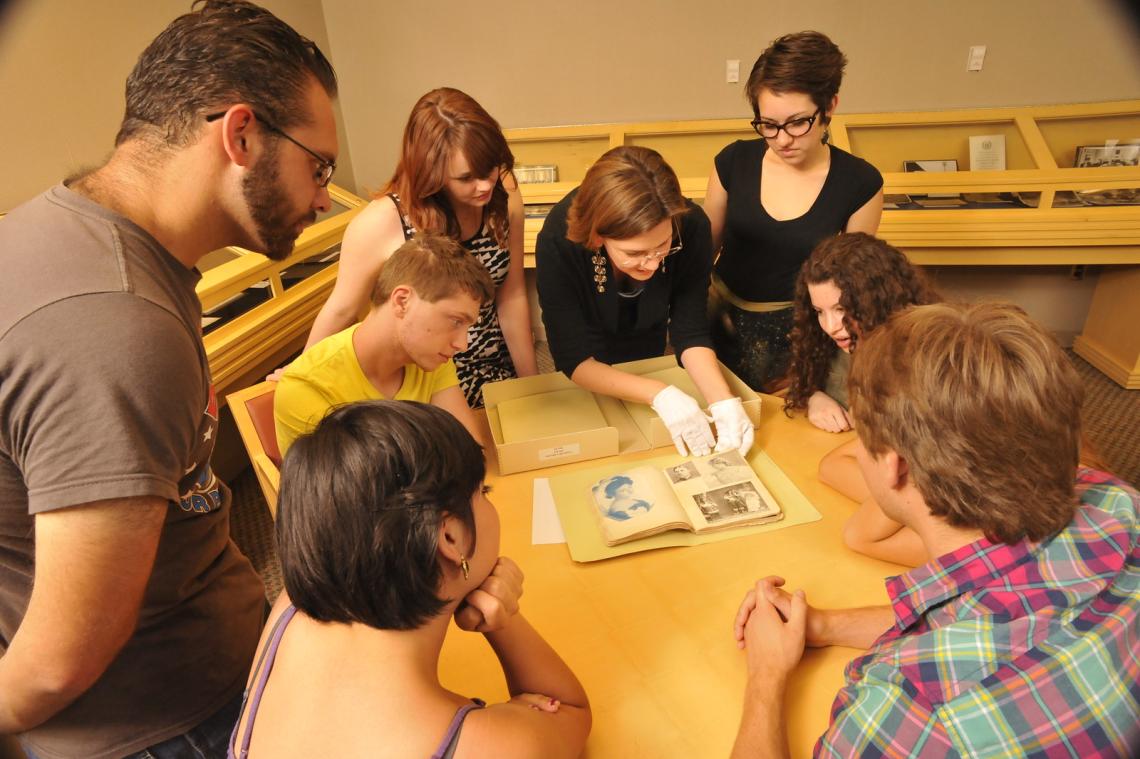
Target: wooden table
[(650, 634)]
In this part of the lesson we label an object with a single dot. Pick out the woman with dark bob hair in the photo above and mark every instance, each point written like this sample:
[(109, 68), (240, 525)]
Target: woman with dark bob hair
[(849, 285), (771, 200), (623, 266), (385, 534), (453, 178)]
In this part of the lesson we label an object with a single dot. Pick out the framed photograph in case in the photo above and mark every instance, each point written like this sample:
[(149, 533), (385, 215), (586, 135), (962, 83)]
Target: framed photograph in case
[(1090, 156)]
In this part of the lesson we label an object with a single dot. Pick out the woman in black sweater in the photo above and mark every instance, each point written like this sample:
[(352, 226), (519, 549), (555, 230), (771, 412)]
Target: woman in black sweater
[(623, 264)]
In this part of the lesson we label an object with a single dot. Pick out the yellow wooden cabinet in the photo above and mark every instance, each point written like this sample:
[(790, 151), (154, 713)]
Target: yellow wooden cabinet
[(257, 312), (1041, 226)]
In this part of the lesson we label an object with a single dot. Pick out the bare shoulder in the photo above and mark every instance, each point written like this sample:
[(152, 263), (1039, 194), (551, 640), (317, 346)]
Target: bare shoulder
[(375, 230)]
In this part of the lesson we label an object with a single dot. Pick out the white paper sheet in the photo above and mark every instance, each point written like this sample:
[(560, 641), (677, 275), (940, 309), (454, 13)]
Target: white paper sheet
[(545, 527)]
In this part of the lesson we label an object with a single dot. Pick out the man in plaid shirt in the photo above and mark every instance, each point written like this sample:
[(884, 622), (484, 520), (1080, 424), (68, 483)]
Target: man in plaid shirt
[(1023, 637)]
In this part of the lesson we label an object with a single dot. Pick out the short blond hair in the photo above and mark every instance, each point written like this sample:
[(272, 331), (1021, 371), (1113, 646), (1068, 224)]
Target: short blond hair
[(436, 267), (983, 405)]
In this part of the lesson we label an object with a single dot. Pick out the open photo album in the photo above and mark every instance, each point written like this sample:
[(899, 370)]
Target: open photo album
[(700, 495)]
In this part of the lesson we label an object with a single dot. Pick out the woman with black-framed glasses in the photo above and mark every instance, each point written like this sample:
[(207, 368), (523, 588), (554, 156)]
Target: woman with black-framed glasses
[(770, 201), (623, 268)]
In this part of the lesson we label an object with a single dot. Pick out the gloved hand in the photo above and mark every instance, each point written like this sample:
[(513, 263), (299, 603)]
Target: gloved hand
[(733, 427), (687, 424)]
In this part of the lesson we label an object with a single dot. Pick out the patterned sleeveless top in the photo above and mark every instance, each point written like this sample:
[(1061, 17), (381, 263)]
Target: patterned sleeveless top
[(486, 358)]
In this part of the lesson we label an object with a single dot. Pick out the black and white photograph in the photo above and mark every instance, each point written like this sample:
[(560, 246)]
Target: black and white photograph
[(727, 502), (1094, 156), (727, 468), (682, 472)]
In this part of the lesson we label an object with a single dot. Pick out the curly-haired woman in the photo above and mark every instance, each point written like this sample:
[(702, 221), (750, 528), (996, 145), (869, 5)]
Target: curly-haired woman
[(849, 285)]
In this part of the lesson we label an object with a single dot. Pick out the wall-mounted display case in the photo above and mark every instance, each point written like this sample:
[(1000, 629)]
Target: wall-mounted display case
[(1040, 210)]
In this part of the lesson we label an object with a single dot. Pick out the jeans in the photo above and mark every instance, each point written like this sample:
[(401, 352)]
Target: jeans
[(208, 740)]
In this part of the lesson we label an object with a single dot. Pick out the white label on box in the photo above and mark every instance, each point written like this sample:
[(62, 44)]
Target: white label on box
[(559, 451)]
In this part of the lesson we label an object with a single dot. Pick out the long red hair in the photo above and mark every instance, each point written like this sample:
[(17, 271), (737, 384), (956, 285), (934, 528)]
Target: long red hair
[(443, 121)]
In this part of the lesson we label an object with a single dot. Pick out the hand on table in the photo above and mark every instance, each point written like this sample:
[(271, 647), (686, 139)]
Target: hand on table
[(826, 413), (687, 423), (733, 427), (490, 606)]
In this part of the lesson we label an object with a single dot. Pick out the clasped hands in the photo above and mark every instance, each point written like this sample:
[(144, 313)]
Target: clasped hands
[(689, 426), (773, 626)]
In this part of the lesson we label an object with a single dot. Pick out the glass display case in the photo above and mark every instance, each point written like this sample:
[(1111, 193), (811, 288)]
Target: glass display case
[(256, 313), (1069, 192)]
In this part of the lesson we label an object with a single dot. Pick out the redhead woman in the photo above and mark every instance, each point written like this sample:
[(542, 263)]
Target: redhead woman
[(386, 534), (771, 200), (623, 264), (453, 178)]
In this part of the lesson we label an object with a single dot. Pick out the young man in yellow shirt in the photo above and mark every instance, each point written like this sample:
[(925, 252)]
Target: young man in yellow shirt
[(428, 293)]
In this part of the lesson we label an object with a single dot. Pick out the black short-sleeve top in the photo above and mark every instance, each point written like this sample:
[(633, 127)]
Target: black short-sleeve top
[(760, 256), (582, 323)]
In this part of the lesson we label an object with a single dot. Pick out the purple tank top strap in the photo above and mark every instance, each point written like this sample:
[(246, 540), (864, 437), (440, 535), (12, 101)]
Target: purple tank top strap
[(447, 745), (264, 667), (405, 222)]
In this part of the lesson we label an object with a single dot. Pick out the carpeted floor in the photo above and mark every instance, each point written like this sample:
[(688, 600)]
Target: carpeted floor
[(1111, 421)]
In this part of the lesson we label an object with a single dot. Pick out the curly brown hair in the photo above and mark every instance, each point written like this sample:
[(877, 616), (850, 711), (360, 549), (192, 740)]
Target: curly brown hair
[(874, 279)]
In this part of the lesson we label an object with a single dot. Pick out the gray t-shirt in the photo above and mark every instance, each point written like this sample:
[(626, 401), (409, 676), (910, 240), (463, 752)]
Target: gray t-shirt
[(105, 393)]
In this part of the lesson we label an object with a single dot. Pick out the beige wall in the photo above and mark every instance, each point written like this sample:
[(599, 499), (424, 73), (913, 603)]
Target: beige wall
[(588, 61), (63, 65), (591, 61)]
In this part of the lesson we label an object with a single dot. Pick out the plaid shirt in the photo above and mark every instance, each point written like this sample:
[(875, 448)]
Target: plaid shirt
[(1009, 650)]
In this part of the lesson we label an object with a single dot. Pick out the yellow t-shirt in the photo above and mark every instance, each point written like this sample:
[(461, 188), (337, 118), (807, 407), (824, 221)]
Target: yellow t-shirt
[(329, 375)]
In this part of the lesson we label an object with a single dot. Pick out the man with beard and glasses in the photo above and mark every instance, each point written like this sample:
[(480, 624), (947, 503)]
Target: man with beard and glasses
[(128, 618)]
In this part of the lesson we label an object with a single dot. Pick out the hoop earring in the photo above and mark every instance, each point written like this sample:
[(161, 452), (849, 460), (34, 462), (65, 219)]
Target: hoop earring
[(599, 263), (465, 567)]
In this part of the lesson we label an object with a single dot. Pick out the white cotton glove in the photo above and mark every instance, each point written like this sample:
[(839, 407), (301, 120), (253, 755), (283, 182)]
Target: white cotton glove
[(687, 424), (733, 427)]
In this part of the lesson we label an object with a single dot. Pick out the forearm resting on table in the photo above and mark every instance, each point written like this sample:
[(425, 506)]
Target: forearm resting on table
[(868, 531), (532, 666), (597, 377), (840, 470), (855, 628), (871, 532), (92, 566)]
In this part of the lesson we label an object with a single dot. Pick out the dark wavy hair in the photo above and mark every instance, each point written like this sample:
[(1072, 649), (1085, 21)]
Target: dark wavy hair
[(874, 279), (221, 53), (362, 498), (443, 121)]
